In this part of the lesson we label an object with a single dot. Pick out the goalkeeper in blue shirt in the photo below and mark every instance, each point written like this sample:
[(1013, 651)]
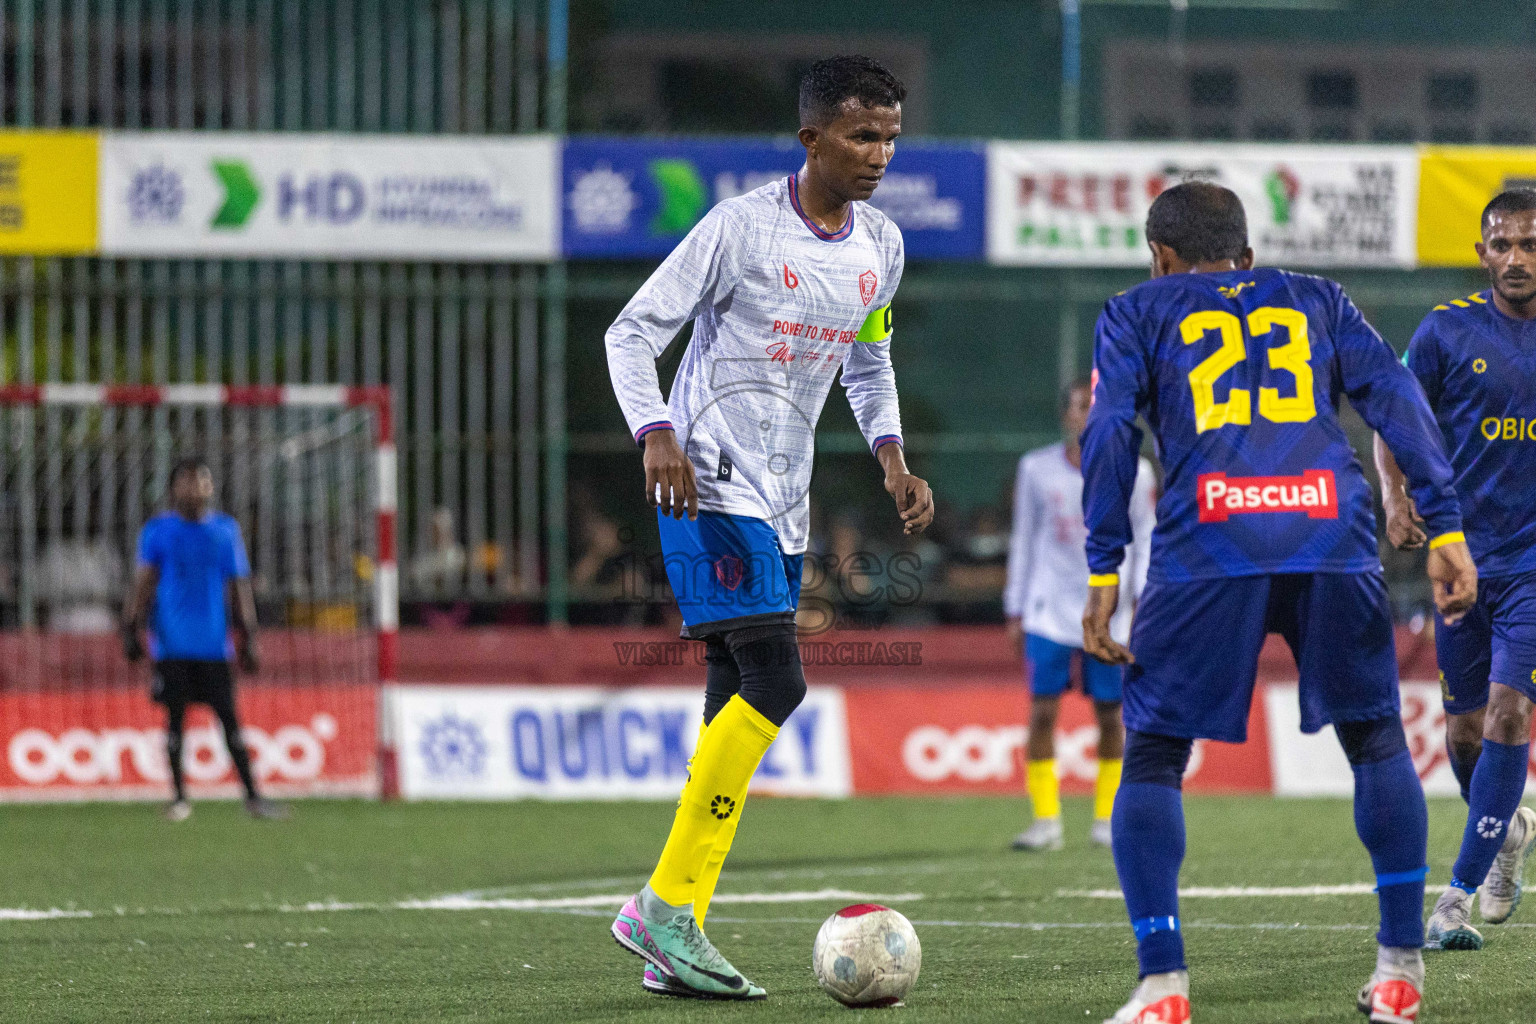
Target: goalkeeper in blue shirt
[(1265, 525), (191, 561)]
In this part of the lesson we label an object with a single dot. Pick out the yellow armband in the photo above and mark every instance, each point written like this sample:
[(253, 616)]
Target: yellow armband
[(877, 326), (1104, 579), (1455, 537)]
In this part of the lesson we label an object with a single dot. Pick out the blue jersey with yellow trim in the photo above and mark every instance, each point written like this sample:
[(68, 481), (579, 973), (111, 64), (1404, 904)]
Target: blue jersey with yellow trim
[(1239, 375), (1478, 368)]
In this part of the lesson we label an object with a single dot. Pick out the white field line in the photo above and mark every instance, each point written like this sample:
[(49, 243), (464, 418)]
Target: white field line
[(1233, 891), (462, 902), (52, 914)]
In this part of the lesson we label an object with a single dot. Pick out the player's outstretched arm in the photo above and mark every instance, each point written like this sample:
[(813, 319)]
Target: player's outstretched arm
[(1452, 576), (136, 609), (1404, 527), (914, 498), (670, 483)]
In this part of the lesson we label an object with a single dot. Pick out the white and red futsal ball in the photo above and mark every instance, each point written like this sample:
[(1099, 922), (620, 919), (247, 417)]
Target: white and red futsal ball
[(867, 955)]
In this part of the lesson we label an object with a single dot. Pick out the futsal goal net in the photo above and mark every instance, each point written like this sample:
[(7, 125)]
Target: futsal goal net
[(308, 473)]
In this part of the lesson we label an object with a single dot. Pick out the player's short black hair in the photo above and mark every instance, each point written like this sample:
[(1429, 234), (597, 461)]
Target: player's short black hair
[(831, 81), (187, 464), (1511, 200), (1202, 222), (1064, 397)]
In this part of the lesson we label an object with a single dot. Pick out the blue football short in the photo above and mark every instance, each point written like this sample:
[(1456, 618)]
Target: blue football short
[(1050, 670), (1197, 651), (728, 571), (1494, 642)]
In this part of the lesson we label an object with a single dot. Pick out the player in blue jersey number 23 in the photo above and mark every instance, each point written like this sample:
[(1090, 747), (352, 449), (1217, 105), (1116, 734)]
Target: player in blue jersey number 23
[(1265, 525)]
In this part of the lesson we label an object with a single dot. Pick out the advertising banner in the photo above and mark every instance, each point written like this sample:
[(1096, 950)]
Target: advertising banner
[(590, 743), (629, 198), (1085, 204), (1455, 183), (48, 193), (969, 738), (328, 196), (1316, 766), (110, 744)]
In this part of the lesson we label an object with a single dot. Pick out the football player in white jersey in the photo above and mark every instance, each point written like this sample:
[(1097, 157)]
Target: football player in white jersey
[(1044, 599), (786, 285)]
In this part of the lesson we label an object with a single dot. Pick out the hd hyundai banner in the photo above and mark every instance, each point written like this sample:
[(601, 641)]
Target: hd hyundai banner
[(324, 196), (566, 743), (636, 198), (1085, 204)]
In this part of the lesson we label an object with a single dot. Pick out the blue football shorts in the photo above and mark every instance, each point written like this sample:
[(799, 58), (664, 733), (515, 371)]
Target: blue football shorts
[(1197, 649), (728, 571), (1050, 670), (1494, 642)]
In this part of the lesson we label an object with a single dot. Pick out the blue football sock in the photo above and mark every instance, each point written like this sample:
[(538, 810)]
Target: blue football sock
[(1148, 845), (1497, 785), (1393, 823), (1463, 758)]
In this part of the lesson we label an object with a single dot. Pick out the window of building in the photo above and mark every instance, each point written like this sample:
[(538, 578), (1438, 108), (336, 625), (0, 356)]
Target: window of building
[(1213, 87), (1451, 92), (1331, 90)]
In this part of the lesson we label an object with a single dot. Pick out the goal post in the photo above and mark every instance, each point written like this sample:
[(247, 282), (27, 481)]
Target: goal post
[(308, 471)]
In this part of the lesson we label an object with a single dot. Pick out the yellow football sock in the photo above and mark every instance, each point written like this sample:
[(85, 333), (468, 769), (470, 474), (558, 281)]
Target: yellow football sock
[(1044, 788), (1104, 788), (728, 754), (704, 888)]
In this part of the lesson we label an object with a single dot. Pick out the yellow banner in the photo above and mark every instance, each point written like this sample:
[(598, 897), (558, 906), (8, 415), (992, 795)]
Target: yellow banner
[(1455, 183), (48, 193)]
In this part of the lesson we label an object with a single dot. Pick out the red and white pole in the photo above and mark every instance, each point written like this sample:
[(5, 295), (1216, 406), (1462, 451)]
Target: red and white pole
[(386, 583)]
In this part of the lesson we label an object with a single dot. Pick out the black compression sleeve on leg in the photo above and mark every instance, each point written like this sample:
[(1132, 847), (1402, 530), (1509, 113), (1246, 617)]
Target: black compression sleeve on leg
[(175, 725), (1373, 741), (224, 708), (1160, 760), (722, 679), (768, 658)]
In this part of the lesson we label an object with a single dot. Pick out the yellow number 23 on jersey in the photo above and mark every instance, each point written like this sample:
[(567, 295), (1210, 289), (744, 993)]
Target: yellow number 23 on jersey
[(1294, 357)]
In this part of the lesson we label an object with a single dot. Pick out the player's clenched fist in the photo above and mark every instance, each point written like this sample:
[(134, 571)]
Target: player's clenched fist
[(668, 470), (1454, 579)]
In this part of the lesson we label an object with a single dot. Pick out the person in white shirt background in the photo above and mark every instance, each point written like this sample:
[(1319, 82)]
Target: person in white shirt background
[(1044, 598)]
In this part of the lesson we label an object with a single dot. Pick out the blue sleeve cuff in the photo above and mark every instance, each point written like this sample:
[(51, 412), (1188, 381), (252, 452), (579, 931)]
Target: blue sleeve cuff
[(885, 439), (658, 425)]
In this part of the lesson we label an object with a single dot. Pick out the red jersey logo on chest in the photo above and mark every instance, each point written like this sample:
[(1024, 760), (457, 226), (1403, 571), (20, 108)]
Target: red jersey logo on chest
[(1312, 492), (867, 283)]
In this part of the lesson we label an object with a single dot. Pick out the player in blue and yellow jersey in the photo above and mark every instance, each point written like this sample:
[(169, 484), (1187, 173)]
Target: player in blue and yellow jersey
[(1265, 524), (1476, 358)]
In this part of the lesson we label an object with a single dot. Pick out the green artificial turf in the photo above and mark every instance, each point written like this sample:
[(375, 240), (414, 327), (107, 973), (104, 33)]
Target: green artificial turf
[(225, 919)]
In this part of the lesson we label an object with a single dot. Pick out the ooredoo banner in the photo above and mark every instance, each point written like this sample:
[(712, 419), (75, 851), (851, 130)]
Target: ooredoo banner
[(1085, 204), (566, 743), (110, 744), (637, 198), (970, 737), (329, 196)]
